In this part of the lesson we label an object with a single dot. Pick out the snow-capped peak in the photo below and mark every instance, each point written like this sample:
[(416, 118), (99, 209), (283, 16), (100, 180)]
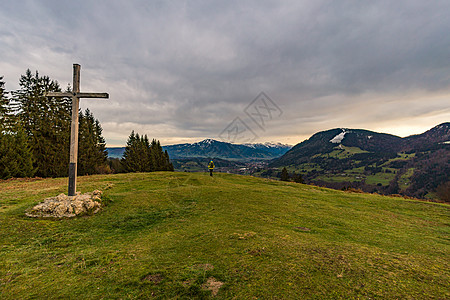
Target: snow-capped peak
[(250, 145), (206, 141), (267, 145), (274, 144), (203, 144)]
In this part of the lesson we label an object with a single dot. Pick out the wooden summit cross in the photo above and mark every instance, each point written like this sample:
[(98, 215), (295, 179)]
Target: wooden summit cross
[(75, 95)]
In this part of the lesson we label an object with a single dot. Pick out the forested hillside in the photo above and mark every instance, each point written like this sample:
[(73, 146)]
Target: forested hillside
[(417, 165)]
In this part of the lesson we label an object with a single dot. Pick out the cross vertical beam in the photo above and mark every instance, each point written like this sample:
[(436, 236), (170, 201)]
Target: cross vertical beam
[(75, 95), (74, 131)]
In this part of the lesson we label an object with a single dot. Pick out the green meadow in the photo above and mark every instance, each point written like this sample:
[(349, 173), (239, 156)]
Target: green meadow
[(169, 235)]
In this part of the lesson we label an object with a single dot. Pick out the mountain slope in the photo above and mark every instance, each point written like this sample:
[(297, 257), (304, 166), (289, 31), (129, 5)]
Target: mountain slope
[(276, 149), (376, 162), (431, 139), (210, 148), (115, 152), (327, 141)]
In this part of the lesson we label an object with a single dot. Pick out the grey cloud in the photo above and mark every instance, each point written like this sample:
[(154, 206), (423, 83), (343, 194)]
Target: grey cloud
[(195, 65)]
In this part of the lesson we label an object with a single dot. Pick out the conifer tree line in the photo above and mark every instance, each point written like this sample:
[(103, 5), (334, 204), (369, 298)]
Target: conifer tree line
[(35, 136), (142, 156), (35, 132), (285, 176)]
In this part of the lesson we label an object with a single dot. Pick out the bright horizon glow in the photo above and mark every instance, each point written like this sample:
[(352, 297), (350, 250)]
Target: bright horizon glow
[(400, 131)]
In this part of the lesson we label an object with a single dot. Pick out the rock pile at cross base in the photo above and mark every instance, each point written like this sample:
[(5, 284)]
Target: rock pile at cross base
[(63, 206)]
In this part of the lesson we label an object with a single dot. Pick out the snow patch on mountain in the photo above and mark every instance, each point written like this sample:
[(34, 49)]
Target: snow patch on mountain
[(206, 141), (274, 144), (338, 138), (202, 144), (268, 145)]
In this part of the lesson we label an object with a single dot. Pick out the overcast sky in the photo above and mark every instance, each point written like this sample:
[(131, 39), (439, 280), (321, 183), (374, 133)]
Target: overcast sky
[(182, 71)]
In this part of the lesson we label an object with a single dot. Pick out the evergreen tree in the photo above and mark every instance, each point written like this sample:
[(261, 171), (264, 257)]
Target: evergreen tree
[(154, 155), (160, 158), (92, 154), (115, 165), (46, 122), (393, 187), (284, 175), (168, 165), (443, 191), (16, 158), (145, 157), (140, 156), (4, 107), (297, 178), (102, 160), (130, 159)]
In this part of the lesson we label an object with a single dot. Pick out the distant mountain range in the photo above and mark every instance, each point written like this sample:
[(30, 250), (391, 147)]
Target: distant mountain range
[(415, 165), (210, 148)]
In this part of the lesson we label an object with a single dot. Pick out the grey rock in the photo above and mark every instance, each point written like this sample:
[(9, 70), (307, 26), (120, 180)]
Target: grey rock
[(63, 206)]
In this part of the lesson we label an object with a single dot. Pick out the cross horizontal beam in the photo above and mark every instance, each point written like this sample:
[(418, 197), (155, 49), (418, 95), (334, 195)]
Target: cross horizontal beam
[(79, 95), (58, 94), (92, 95)]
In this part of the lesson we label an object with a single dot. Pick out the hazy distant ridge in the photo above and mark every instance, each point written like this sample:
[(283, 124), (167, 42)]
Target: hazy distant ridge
[(210, 148)]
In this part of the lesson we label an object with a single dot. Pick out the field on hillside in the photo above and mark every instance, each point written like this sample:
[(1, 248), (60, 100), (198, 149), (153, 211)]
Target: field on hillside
[(411, 174), (187, 235)]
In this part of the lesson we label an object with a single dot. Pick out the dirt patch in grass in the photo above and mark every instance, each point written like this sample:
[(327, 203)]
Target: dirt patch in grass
[(212, 285), (153, 278)]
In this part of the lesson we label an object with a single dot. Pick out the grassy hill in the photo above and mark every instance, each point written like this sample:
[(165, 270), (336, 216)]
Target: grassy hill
[(173, 235)]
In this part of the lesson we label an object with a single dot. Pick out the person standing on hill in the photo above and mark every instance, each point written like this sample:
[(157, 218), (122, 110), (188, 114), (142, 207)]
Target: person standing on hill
[(211, 167)]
